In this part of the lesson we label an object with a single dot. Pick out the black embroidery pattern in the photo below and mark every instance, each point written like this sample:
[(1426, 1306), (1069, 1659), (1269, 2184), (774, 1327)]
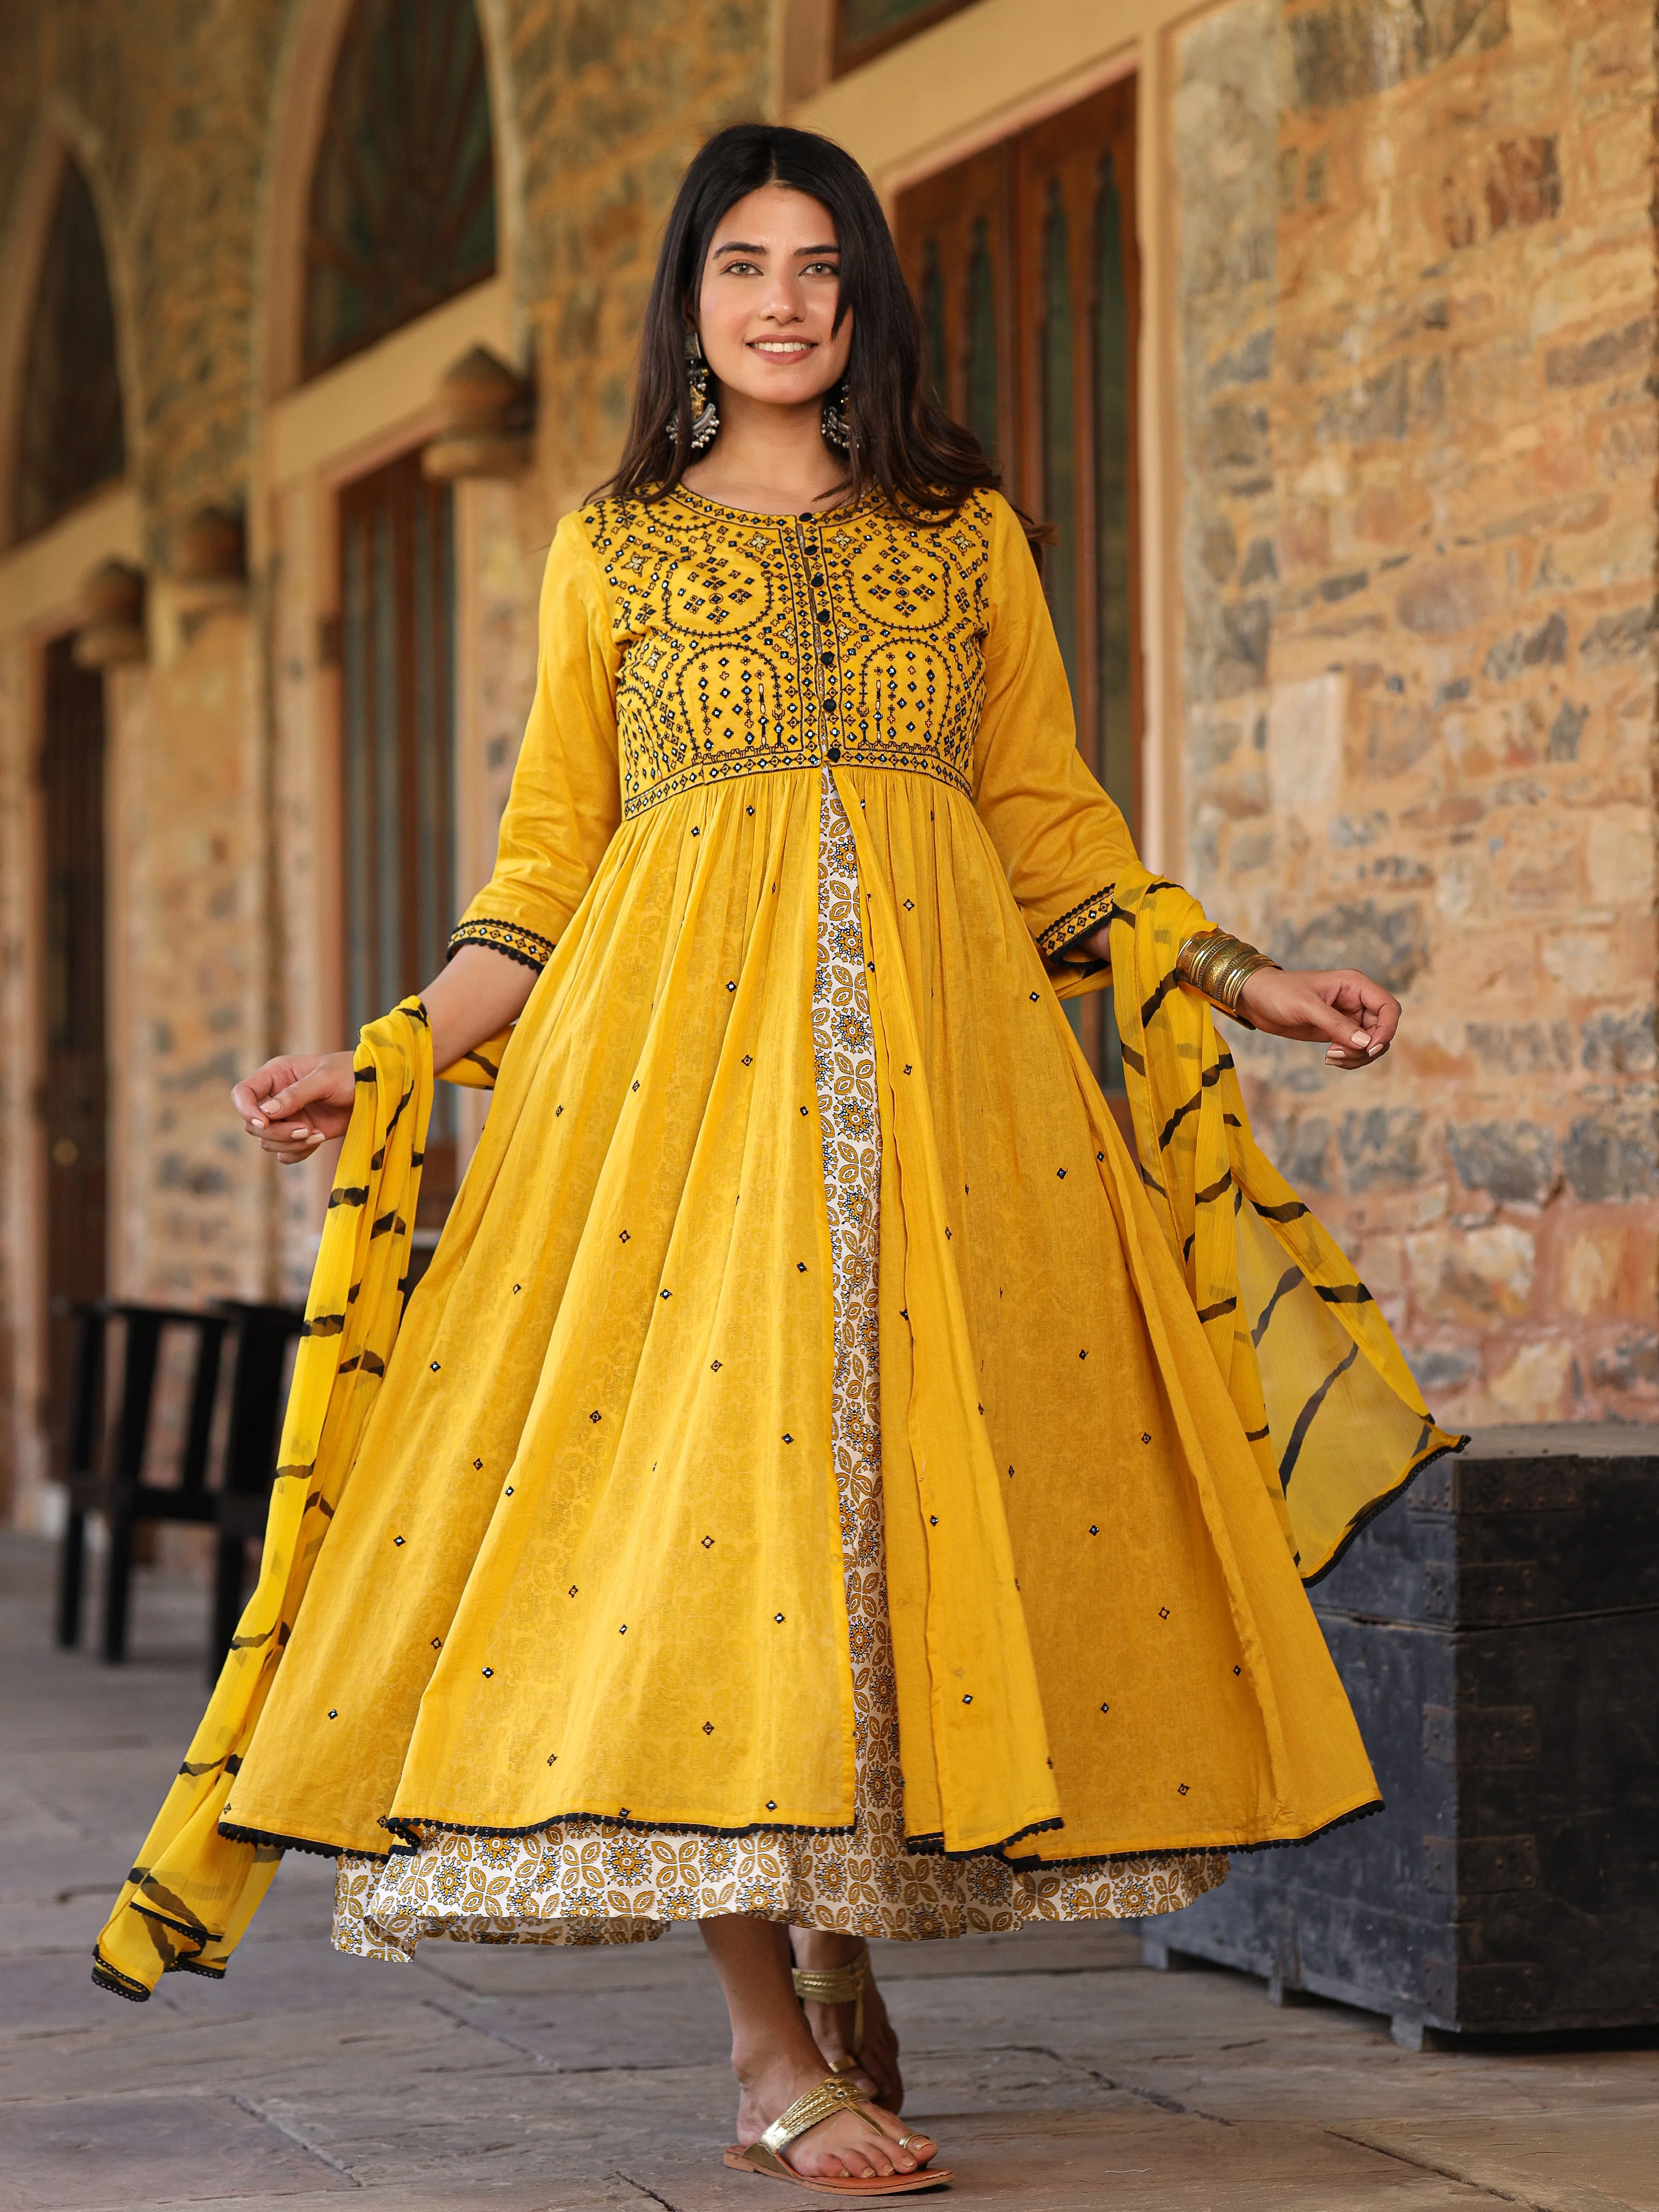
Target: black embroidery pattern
[(509, 937), (754, 643), (1081, 922)]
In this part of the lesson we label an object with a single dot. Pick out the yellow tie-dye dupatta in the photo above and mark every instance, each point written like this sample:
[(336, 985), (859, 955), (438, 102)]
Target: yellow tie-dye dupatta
[(193, 1892), (1337, 1423)]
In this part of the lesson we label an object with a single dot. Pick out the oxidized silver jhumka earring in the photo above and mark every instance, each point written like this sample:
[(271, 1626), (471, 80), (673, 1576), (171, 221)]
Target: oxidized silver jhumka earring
[(837, 430), (705, 416)]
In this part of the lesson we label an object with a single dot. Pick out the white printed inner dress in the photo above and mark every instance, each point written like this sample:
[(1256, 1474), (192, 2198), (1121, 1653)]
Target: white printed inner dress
[(600, 1881)]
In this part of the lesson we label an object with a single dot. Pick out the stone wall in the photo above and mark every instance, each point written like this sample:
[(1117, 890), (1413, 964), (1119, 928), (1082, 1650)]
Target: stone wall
[(192, 986), (1416, 294)]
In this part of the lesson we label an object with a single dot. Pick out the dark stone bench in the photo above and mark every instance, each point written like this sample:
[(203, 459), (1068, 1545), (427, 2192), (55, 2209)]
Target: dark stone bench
[(1497, 1632)]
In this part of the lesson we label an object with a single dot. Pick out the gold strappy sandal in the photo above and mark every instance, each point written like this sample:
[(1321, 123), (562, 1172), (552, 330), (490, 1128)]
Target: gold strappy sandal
[(830, 2097), (839, 1985)]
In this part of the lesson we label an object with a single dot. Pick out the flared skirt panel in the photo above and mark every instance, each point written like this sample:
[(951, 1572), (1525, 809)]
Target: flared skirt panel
[(1186, 1692), (589, 1560)]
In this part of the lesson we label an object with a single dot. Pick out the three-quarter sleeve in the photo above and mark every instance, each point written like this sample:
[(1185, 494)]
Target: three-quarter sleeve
[(565, 801), (1062, 841)]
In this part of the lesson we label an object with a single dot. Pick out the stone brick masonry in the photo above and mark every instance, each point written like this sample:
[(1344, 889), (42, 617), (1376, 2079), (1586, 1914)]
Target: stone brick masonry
[(1417, 281)]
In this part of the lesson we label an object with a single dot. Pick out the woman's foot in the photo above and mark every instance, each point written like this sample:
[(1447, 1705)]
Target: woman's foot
[(876, 2072), (776, 2061), (842, 2146)]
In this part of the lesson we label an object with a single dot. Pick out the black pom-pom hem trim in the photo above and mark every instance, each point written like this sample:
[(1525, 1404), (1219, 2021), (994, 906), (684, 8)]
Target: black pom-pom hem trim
[(106, 1977), (1362, 1521), (933, 1847), (412, 1829), (1203, 1851), (234, 1834)]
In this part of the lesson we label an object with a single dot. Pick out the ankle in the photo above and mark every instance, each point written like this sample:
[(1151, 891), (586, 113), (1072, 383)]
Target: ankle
[(822, 1948)]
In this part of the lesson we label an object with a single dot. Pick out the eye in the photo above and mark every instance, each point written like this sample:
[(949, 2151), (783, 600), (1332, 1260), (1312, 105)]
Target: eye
[(739, 268), (822, 269)]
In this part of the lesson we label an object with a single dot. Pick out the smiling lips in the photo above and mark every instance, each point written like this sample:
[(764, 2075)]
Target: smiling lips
[(786, 347)]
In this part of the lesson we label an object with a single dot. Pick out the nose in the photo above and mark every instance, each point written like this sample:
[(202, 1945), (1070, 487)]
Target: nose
[(780, 300)]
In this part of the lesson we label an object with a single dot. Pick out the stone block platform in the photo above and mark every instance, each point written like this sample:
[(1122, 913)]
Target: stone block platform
[(1058, 2076)]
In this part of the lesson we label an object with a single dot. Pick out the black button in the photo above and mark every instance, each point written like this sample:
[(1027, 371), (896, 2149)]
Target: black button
[(819, 580), (809, 518), (833, 753), (830, 707), (828, 658)]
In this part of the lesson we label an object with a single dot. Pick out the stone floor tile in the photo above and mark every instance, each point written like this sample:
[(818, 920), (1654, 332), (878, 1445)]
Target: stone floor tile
[(125, 2152), (144, 2050), (621, 2028), (1562, 2162), (1065, 2161), (1045, 1947)]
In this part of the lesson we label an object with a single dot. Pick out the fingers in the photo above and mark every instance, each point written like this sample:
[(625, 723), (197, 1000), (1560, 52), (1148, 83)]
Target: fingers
[(295, 1096), (249, 1096), (1385, 1025), (1377, 1013), (1345, 1026), (272, 1089), (291, 1153), (279, 1136)]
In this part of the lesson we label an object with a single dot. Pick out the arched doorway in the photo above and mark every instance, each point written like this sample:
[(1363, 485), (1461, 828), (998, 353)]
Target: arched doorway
[(70, 439), (71, 444)]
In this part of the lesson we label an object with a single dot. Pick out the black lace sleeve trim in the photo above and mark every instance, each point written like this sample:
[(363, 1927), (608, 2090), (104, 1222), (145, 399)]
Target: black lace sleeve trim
[(1059, 935), (512, 938)]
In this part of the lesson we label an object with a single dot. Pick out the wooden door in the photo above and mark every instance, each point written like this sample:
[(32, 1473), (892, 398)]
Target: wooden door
[(1023, 263), (75, 1079), (397, 666)]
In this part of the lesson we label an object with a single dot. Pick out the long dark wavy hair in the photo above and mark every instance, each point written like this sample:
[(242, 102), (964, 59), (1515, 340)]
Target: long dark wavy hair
[(925, 463)]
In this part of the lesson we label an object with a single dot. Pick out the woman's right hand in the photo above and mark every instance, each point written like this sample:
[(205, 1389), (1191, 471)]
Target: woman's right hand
[(297, 1101)]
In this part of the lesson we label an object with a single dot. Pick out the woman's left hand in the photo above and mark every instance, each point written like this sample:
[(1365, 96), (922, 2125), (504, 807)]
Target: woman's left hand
[(1352, 1017)]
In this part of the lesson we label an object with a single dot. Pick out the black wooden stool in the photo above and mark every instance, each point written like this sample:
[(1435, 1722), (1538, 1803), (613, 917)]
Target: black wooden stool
[(106, 1474), (106, 1470)]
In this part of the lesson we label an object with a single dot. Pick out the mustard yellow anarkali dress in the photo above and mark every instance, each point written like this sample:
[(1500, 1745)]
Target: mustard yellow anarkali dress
[(823, 1473)]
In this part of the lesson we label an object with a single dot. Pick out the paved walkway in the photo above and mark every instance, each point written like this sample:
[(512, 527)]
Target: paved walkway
[(1055, 2072)]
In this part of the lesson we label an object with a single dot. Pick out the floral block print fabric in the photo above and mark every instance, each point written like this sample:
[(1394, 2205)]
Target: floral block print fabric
[(600, 1882)]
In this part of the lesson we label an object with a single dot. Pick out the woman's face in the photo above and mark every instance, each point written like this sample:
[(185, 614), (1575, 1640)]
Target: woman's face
[(771, 286)]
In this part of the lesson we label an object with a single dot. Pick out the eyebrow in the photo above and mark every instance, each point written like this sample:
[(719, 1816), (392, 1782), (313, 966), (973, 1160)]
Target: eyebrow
[(742, 246)]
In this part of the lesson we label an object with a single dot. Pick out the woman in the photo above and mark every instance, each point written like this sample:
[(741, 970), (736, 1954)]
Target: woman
[(822, 1481)]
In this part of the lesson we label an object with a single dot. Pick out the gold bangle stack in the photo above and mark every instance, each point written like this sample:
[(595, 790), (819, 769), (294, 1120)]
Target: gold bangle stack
[(1219, 967)]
